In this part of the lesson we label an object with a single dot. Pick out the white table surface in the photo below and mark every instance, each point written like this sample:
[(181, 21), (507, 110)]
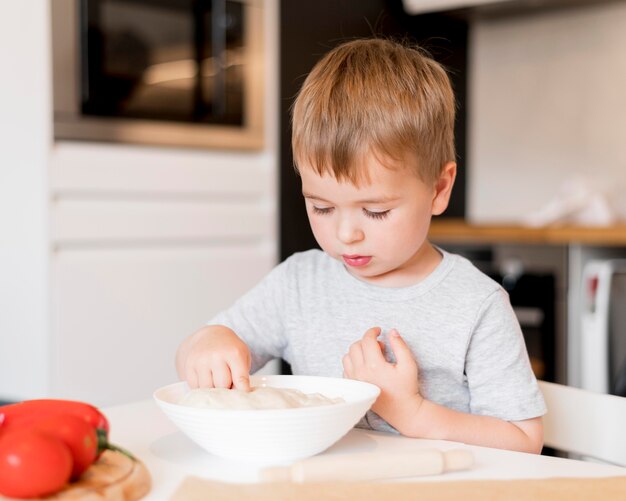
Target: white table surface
[(170, 456)]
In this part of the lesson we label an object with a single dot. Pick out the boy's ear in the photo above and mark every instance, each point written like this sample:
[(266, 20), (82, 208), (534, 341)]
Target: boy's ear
[(443, 188)]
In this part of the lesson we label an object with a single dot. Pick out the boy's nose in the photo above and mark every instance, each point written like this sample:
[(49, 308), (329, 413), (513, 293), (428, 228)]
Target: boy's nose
[(348, 232)]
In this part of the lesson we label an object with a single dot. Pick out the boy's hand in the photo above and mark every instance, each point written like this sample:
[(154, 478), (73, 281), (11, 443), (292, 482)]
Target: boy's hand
[(215, 357), (398, 382)]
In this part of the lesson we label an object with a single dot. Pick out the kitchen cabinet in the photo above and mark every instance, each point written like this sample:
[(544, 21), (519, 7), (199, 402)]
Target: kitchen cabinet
[(119, 313), (145, 249)]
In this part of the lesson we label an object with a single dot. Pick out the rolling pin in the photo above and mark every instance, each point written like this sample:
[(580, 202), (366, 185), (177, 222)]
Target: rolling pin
[(369, 466)]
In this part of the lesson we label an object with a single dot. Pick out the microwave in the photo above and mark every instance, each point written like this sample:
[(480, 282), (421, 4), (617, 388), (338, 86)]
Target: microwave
[(159, 72)]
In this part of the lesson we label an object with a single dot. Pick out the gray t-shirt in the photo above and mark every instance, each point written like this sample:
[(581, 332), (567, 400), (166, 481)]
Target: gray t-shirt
[(458, 323)]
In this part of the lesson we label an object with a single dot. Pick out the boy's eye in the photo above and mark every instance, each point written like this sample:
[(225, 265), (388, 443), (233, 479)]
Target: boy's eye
[(376, 214), (321, 210)]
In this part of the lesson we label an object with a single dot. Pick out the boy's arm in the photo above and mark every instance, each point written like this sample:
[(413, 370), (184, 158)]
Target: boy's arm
[(418, 417), (402, 406)]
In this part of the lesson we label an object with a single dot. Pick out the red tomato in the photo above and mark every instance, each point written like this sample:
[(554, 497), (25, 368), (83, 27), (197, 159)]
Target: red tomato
[(33, 464), (29, 412), (79, 436)]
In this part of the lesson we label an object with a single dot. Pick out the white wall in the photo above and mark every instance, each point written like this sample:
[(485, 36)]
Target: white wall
[(25, 136), (548, 101)]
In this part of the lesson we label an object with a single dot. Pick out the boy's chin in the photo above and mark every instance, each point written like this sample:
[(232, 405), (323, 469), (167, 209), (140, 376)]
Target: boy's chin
[(365, 272)]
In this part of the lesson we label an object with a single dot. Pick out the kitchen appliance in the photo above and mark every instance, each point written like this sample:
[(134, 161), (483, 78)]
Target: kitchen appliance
[(166, 72), (603, 327)]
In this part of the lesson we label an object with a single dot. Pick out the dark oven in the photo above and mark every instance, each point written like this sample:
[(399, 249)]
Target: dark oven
[(177, 72)]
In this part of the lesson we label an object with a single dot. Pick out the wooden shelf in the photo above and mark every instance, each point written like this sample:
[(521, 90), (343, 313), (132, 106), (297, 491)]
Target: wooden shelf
[(462, 232)]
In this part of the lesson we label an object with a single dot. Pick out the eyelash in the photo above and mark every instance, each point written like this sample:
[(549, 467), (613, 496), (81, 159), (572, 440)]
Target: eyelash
[(322, 210), (373, 215), (376, 215)]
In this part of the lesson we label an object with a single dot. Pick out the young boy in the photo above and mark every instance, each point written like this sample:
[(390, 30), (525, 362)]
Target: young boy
[(373, 143)]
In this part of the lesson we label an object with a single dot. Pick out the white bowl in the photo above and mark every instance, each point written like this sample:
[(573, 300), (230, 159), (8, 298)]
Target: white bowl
[(272, 436)]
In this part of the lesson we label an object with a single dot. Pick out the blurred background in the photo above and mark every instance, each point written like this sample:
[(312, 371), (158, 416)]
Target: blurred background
[(146, 177)]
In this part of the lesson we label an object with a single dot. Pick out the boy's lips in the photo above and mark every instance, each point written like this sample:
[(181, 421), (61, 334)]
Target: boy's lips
[(356, 260)]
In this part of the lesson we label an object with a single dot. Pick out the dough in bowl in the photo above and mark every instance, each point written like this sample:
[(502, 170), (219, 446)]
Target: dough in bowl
[(257, 398)]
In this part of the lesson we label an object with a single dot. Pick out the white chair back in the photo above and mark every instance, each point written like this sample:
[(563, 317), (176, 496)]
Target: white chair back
[(584, 422)]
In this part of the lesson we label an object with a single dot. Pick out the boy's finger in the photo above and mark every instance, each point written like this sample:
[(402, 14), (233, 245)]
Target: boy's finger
[(347, 367), (372, 333), (204, 378), (400, 349), (221, 375), (192, 379), (240, 377), (372, 352), (356, 354)]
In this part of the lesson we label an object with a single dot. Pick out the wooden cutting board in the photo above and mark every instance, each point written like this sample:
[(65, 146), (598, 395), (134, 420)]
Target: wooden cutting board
[(549, 489), (114, 477)]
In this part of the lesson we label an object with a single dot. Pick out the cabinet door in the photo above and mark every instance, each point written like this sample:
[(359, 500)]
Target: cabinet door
[(120, 313)]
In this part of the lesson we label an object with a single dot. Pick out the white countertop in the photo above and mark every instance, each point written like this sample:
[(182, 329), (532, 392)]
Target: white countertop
[(170, 456)]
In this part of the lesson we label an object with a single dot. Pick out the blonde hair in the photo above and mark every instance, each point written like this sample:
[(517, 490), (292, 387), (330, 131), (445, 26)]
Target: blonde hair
[(374, 96)]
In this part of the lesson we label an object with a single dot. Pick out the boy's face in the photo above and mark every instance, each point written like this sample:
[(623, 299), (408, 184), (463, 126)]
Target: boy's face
[(378, 230)]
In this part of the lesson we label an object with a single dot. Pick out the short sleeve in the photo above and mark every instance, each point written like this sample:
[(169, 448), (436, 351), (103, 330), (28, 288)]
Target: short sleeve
[(499, 376), (257, 317)]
